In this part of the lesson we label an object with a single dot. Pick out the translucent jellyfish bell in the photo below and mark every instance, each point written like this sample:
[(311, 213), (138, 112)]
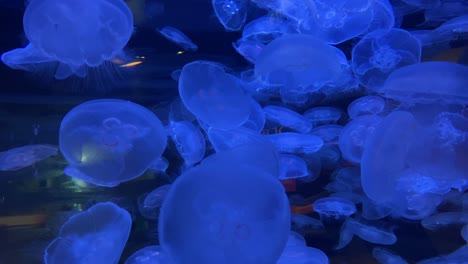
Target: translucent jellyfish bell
[(339, 20), (109, 141), (97, 235), (379, 53), (298, 61), (76, 34), (214, 96), (236, 213)]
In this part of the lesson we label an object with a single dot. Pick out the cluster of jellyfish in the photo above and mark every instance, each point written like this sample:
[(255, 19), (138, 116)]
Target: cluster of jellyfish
[(397, 151)]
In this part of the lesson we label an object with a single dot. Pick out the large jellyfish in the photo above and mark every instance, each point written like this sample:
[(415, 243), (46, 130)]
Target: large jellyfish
[(109, 141), (226, 210), (97, 235), (76, 34)]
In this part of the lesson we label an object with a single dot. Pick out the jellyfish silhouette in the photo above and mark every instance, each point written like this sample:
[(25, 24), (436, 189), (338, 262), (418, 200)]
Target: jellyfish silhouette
[(97, 235), (76, 34)]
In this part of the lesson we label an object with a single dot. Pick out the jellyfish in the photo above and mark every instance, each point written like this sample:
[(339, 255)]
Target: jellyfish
[(109, 141), (21, 157), (334, 207), (267, 28), (189, 140), (230, 13), (381, 52), (428, 83), (384, 155), (354, 135), (287, 118), (213, 96), (366, 105), (337, 21), (76, 35), (176, 36), (323, 115), (299, 62), (148, 255), (237, 212), (97, 235)]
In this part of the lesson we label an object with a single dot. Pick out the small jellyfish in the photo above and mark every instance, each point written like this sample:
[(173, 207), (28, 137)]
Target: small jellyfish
[(290, 142), (385, 256), (381, 52), (109, 141), (231, 13), (334, 207), (267, 28), (213, 96), (97, 235), (354, 136), (21, 157), (367, 232), (150, 203), (77, 35), (148, 255), (328, 133), (366, 105), (292, 166), (189, 141), (287, 118), (176, 36), (302, 254), (324, 115), (249, 49)]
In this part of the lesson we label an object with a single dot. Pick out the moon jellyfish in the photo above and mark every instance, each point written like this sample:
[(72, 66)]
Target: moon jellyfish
[(366, 105), (379, 53), (148, 255), (21, 157), (230, 13), (323, 115), (334, 207), (384, 155), (189, 140), (385, 256), (337, 21), (224, 211), (287, 118), (109, 141), (428, 82), (150, 203), (76, 34), (214, 96), (176, 36), (97, 235), (267, 28), (299, 61), (354, 136), (303, 255)]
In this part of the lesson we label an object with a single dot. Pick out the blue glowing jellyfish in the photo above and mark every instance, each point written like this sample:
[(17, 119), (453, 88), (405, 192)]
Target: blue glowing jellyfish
[(428, 83), (237, 212), (299, 62), (77, 35), (214, 96), (176, 36), (339, 20), (109, 141), (21, 157), (97, 235), (148, 255), (230, 13), (381, 52)]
